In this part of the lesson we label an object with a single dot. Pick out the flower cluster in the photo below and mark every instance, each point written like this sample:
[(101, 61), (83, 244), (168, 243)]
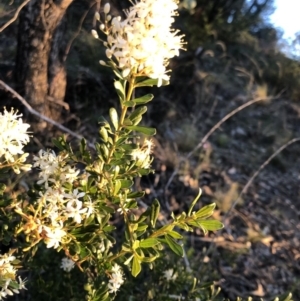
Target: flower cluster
[(8, 283), (144, 42), (13, 137), (58, 202), (116, 279), (142, 155)]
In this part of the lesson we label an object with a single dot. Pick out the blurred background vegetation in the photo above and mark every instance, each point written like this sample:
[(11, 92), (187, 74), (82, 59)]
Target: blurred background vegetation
[(233, 54)]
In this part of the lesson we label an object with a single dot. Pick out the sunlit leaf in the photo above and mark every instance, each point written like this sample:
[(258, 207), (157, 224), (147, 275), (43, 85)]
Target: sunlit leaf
[(174, 246), (148, 243), (120, 89), (175, 234), (211, 225), (206, 211), (136, 266), (114, 118)]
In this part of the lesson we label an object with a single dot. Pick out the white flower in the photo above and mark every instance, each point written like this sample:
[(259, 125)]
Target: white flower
[(142, 155), (67, 264), (8, 283), (13, 135), (54, 235), (21, 283), (74, 210), (68, 174), (116, 279), (170, 275), (48, 163), (144, 42)]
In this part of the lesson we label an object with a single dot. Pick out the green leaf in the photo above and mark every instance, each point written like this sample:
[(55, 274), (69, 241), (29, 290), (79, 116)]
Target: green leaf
[(174, 246), (103, 133), (211, 225), (175, 234), (117, 187), (109, 228), (118, 73), (136, 266), (150, 83), (129, 103), (120, 89), (149, 259), (141, 228), (144, 99), (206, 211), (103, 296), (104, 151), (155, 209), (127, 122), (2, 188), (142, 129), (126, 183), (137, 113), (149, 243), (114, 118), (135, 194)]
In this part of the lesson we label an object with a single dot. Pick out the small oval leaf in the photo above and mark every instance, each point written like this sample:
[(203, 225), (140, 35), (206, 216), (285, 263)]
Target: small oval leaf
[(142, 129), (136, 266), (144, 99), (114, 118)]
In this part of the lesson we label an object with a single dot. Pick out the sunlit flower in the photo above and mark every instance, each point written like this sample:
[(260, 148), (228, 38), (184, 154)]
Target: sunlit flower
[(48, 163), (67, 264), (13, 135), (54, 235), (74, 210), (116, 279), (144, 42), (142, 154), (8, 283)]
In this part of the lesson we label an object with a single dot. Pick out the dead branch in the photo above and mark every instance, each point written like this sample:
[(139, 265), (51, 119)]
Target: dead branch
[(14, 18), (36, 113)]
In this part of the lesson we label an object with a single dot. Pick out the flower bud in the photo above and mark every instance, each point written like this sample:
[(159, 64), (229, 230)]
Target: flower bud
[(95, 34), (106, 8), (97, 16)]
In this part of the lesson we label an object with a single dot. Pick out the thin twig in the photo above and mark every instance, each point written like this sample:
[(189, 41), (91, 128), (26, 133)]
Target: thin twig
[(244, 190), (36, 113), (14, 18), (78, 31), (211, 131)]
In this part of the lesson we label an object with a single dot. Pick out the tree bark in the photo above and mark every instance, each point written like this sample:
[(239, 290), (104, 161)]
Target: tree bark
[(40, 69)]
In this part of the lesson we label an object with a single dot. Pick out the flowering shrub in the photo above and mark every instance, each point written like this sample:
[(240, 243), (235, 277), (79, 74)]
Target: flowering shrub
[(70, 209), (82, 199)]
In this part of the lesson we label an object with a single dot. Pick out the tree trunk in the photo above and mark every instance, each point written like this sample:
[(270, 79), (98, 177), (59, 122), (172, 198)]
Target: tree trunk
[(40, 70)]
